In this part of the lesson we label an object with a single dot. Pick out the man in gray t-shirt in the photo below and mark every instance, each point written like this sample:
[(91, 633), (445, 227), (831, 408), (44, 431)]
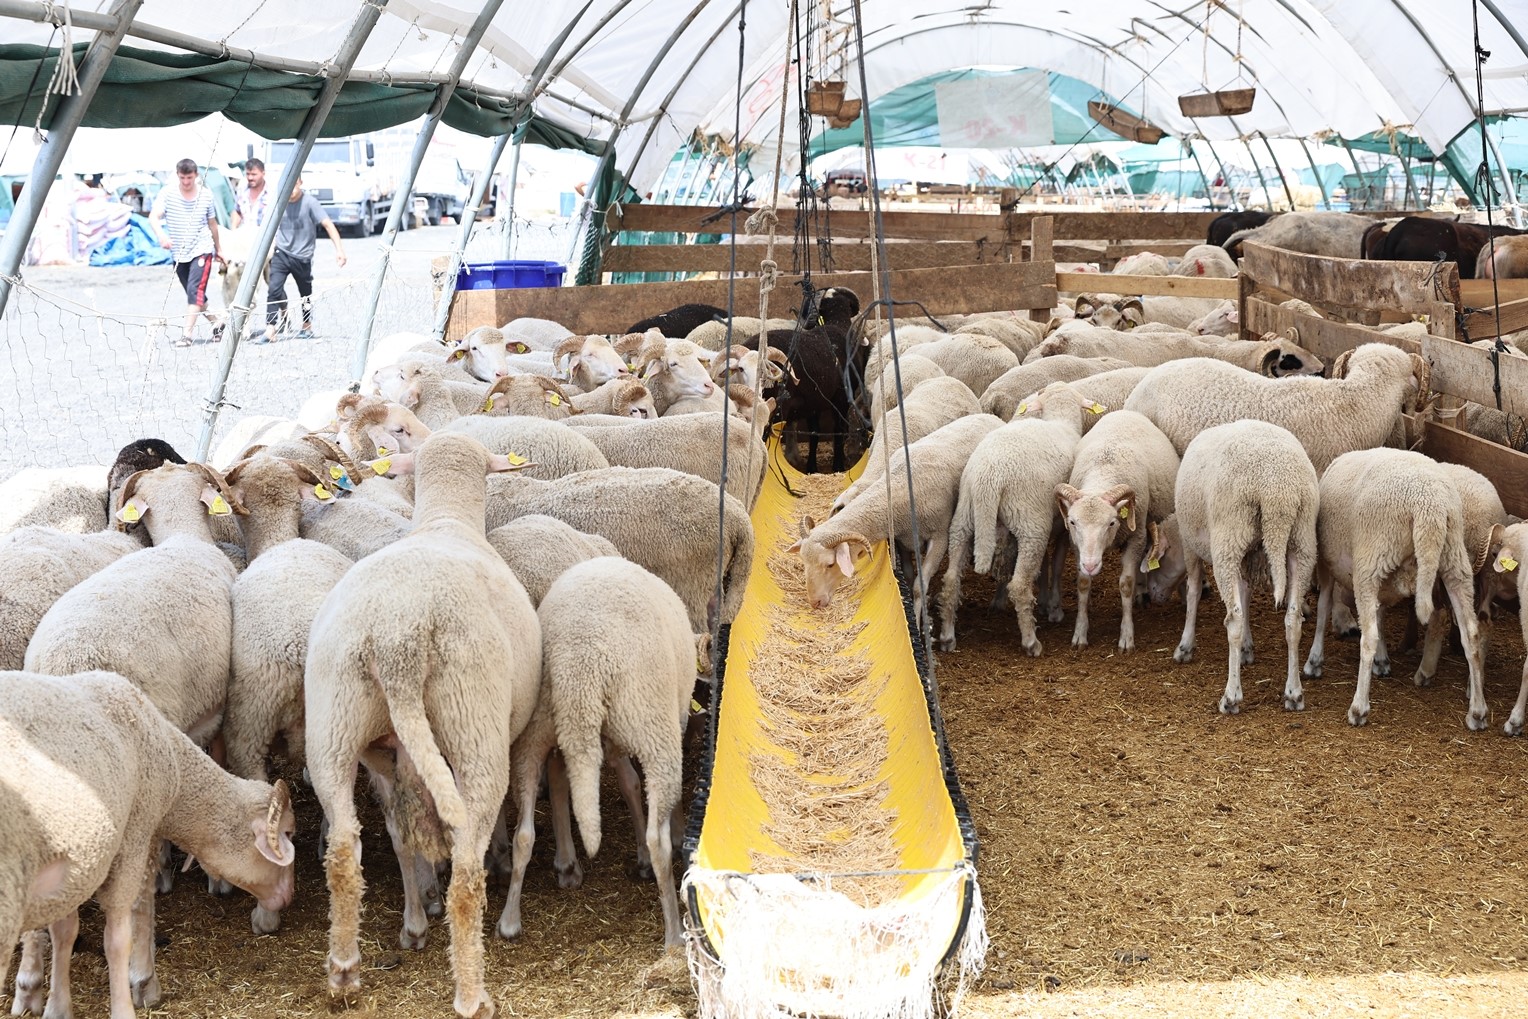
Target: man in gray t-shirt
[(296, 236)]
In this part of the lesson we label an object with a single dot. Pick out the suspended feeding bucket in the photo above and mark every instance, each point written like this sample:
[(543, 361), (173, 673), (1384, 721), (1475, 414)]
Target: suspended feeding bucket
[(824, 98), (1225, 103), (847, 114), (1126, 125)]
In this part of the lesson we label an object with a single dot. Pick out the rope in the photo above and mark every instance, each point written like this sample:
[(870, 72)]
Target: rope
[(1483, 180), (36, 72), (721, 493)]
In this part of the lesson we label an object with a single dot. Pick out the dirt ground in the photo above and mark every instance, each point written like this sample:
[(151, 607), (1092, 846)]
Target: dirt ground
[(1139, 853)]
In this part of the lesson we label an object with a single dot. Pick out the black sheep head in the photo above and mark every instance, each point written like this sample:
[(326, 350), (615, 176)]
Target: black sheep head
[(837, 305), (140, 455)]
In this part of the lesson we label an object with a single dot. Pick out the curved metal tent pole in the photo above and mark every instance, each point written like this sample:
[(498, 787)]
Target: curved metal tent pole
[(1326, 198), (402, 197), (1225, 177), (66, 120), (1283, 179), (350, 48), (1507, 25), (534, 90), (608, 157), (469, 217)]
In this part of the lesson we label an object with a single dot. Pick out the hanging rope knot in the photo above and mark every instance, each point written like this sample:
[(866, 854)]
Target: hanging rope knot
[(769, 275), (762, 221)]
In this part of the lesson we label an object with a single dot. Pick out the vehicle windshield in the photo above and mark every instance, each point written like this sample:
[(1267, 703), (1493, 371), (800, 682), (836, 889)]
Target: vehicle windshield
[(334, 152)]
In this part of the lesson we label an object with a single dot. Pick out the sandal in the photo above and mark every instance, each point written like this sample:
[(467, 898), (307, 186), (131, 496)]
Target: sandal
[(184, 341), (217, 332)]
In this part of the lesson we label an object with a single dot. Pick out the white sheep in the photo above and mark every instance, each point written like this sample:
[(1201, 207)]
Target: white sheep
[(484, 353), (673, 369), (714, 335), (828, 549), (1272, 355), (619, 668), (275, 601), (1009, 486), (539, 548), (1109, 389), (1244, 489), (688, 442), (537, 333), (95, 776), (528, 395), (622, 397), (1005, 394), (915, 370), (592, 361), (38, 565), (1511, 544), (973, 358), (250, 430), (928, 408), (423, 388), (69, 499), (1122, 479), (431, 645), (1392, 525), (554, 449), (1357, 408), (1106, 311), (1335, 234), (1141, 263), (1206, 260), (1018, 334)]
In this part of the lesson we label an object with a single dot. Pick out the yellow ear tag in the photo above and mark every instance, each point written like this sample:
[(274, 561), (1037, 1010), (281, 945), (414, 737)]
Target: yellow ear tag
[(488, 405), (458, 355), (515, 459), (322, 492), (336, 473), (1508, 563), (380, 465), (129, 515), (218, 507), (383, 451), (521, 348), (1124, 512), (1097, 408), (1153, 563), (1021, 409), (695, 705), (554, 399)]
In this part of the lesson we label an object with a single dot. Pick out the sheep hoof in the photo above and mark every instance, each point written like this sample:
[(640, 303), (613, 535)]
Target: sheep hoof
[(1247, 656), (1034, 648), (569, 876), (1351, 633), (1514, 726), (1357, 717), (264, 921), (1126, 643), (164, 881), (1079, 642), (1381, 666), (1312, 670), (344, 978), (641, 870), (1230, 707), (945, 643), (1184, 654), (1421, 678), (1294, 702), (217, 886), (484, 1010), (29, 996), (412, 941), (146, 992), (1056, 614), (1477, 720)]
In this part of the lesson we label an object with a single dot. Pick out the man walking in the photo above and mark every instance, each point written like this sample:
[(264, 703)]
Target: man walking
[(254, 197), (296, 237), (190, 230)]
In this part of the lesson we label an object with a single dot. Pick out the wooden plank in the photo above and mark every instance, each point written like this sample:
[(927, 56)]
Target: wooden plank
[(1481, 294), (611, 308), (1174, 286), (1119, 226), (1507, 468), (1483, 324), (1322, 337), (932, 226), (1041, 249), (846, 257), (1462, 370), (1351, 283)]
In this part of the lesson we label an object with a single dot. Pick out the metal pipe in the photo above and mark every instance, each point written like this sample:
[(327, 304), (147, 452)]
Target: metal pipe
[(1506, 178), (469, 218), (350, 48), (66, 120), (1326, 199), (1283, 179), (1224, 176), (1409, 192), (1261, 180), (1209, 192), (514, 184), (689, 185), (403, 196)]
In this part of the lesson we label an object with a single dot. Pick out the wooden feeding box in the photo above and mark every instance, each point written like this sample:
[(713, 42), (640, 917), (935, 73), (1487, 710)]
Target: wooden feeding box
[(1225, 103), (824, 98), (847, 114), (1126, 125)]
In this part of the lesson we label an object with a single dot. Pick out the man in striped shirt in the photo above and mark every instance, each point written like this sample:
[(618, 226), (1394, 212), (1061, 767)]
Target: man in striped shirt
[(190, 229)]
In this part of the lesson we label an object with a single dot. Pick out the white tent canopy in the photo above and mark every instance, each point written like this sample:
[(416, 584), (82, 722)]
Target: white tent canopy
[(1353, 66)]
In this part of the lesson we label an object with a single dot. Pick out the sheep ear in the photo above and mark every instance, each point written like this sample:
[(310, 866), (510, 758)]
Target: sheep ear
[(1234, 316), (216, 505), (519, 347), (282, 854), (844, 558), (131, 512)]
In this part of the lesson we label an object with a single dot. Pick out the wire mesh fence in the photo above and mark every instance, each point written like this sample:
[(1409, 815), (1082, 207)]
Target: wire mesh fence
[(88, 361)]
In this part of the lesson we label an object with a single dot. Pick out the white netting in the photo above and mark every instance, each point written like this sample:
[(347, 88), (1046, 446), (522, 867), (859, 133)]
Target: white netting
[(794, 947), (87, 361)]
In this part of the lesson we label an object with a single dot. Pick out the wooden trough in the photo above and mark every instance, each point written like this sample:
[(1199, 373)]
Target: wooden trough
[(1225, 103), (1124, 124)]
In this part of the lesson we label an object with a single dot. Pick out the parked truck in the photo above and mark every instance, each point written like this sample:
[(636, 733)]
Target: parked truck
[(343, 174)]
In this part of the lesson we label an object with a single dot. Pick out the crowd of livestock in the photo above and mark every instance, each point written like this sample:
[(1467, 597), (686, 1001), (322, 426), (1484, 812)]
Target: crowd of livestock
[(520, 541)]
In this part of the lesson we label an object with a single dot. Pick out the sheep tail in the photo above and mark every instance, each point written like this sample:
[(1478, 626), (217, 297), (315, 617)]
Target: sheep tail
[(1427, 539), (986, 501), (1278, 525), (417, 739), (584, 758)]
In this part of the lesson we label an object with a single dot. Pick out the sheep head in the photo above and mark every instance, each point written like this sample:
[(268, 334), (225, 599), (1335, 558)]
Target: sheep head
[(593, 361), (828, 561), (1286, 357), (1093, 520), (1163, 562), (483, 352)]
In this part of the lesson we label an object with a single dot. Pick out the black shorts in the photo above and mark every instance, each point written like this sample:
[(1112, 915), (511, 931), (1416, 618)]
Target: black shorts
[(194, 276)]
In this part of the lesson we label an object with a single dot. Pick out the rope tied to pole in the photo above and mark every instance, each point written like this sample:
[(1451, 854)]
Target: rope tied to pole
[(763, 220)]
